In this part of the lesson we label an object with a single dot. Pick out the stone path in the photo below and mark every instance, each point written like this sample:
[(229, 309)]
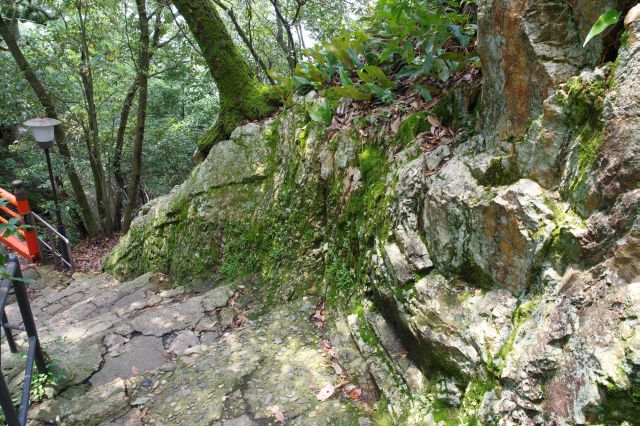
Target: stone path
[(143, 352)]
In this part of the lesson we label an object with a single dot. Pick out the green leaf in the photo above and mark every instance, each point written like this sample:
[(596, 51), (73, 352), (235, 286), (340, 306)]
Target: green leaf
[(440, 67), (354, 57), (424, 91), (452, 56), (384, 95), (607, 19), (408, 52), (345, 80), (365, 77), (409, 71), (351, 92), (321, 113), (379, 76), (462, 38)]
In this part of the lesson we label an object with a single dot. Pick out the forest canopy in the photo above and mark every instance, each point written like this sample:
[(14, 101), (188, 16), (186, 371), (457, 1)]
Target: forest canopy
[(88, 58), (145, 88)]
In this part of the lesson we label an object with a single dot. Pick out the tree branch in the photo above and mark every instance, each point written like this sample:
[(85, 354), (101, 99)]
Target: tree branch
[(245, 39)]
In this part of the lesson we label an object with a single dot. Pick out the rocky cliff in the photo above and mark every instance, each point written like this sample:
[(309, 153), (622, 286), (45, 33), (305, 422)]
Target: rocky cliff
[(487, 277)]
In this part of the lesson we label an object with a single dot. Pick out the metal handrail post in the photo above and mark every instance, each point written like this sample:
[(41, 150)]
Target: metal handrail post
[(9, 410), (7, 332), (27, 316)]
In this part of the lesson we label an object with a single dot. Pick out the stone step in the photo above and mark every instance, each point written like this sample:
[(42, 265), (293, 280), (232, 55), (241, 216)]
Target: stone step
[(142, 350)]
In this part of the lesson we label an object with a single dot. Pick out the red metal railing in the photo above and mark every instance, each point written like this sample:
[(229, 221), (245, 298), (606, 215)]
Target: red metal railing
[(26, 244)]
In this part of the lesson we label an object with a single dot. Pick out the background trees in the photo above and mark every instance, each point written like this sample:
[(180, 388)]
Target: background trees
[(133, 88)]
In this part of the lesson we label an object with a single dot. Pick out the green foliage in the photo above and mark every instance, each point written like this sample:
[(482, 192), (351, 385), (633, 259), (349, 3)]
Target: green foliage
[(473, 397), (411, 126), (181, 106), (40, 381), (340, 278), (403, 43), (321, 113), (584, 99), (11, 228), (607, 19)]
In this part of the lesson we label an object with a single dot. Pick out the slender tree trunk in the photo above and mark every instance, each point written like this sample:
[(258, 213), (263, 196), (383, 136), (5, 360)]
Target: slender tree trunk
[(93, 142), (118, 174), (47, 104), (300, 35), (240, 97), (288, 47), (143, 77)]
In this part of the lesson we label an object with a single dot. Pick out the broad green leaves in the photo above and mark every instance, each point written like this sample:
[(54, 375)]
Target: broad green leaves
[(404, 43), (606, 20), (321, 113)]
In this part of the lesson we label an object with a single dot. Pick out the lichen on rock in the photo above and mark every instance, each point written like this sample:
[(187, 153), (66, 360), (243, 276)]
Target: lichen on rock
[(504, 262)]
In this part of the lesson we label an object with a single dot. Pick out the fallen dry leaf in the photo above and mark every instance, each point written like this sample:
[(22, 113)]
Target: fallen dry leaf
[(355, 393), (318, 316), (238, 321), (337, 368), (434, 121), (277, 413), (395, 126), (326, 345), (325, 393), (431, 103)]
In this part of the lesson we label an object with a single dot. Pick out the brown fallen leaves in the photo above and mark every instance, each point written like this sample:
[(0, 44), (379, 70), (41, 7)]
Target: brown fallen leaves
[(318, 317), (325, 393), (436, 136), (277, 414), (89, 254), (241, 318), (349, 389)]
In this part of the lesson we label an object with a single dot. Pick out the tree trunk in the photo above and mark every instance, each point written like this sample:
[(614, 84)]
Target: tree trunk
[(288, 47), (116, 164), (93, 137), (118, 174), (240, 97), (47, 104), (245, 38), (143, 77)]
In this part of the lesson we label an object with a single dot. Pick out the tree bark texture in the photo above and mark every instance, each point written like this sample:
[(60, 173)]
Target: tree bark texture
[(239, 92)]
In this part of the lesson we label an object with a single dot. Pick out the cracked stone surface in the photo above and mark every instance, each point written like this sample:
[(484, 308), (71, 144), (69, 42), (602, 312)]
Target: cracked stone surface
[(139, 352)]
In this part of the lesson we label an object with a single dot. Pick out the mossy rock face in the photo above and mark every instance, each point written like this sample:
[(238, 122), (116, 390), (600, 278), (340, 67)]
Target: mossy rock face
[(458, 107), (181, 234), (465, 258), (411, 126)]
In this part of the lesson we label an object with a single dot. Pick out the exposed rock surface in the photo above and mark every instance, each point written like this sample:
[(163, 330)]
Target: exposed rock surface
[(173, 372), (486, 281), (527, 48)]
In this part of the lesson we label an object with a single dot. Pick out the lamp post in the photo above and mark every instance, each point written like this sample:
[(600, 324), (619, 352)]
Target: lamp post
[(44, 134)]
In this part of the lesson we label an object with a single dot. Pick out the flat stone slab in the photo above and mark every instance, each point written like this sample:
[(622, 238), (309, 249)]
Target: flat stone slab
[(165, 319), (97, 406), (139, 355)]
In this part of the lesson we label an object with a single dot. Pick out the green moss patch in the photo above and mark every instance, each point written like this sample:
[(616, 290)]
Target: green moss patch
[(413, 125), (499, 174)]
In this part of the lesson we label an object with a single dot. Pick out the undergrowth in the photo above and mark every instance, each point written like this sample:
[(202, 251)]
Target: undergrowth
[(403, 44)]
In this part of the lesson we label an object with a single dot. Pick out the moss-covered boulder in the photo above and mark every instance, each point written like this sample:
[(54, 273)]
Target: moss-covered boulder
[(181, 233), (507, 267)]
